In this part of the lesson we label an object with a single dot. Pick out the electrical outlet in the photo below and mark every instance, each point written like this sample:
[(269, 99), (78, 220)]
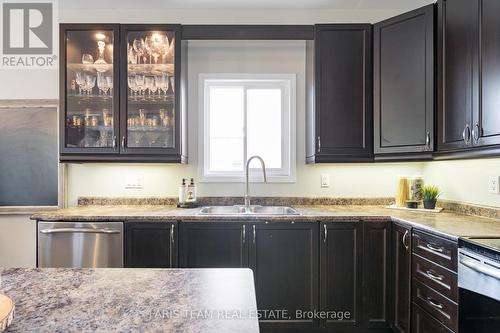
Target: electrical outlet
[(325, 180), (134, 182), (493, 186)]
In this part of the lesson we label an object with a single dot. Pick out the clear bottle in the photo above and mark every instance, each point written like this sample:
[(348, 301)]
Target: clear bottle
[(191, 191), (183, 191)]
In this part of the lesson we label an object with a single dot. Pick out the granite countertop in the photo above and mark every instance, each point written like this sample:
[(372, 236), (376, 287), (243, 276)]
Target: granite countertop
[(131, 300), (448, 224)]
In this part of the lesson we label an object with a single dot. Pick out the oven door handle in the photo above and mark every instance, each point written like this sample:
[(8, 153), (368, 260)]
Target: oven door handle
[(79, 230), (481, 268)]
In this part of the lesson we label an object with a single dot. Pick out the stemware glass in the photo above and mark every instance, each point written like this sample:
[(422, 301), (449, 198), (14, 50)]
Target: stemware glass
[(140, 81), (164, 82), (148, 83), (172, 84), (101, 83), (148, 46), (80, 80), (138, 46), (90, 83), (109, 82)]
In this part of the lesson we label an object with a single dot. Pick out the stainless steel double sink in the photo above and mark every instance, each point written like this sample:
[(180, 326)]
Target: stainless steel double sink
[(251, 210)]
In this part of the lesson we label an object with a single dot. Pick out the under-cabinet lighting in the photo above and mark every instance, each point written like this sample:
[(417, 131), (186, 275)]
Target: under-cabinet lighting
[(100, 36)]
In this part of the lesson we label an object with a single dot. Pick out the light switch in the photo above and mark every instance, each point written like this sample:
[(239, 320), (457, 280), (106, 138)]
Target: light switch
[(493, 186), (325, 180), (136, 182)]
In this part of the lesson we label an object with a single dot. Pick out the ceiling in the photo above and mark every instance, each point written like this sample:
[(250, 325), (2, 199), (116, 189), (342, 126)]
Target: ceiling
[(245, 4)]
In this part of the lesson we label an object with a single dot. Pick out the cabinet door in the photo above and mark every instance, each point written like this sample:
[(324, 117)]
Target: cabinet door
[(458, 48), (401, 270), (404, 83), (213, 245), (284, 259), (150, 245), (150, 107), (89, 100), (486, 130), (343, 94), (376, 277), (340, 272)]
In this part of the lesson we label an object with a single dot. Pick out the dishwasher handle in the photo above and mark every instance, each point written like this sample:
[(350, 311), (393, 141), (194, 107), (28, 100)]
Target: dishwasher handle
[(79, 230)]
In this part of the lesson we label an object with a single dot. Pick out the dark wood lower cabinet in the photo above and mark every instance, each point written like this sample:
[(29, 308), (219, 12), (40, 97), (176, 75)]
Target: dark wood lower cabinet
[(213, 245), (284, 258), (150, 244), (376, 277), (341, 248), (422, 322), (401, 277)]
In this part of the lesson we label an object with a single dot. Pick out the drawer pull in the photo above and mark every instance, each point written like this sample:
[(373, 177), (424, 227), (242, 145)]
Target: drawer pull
[(434, 304), (434, 276), (435, 248)]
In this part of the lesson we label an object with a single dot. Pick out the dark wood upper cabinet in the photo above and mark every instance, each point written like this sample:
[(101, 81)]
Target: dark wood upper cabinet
[(213, 245), (401, 277), (284, 258), (376, 274), (120, 93), (341, 248), (458, 74), (404, 83), (486, 125), (340, 117), (150, 245)]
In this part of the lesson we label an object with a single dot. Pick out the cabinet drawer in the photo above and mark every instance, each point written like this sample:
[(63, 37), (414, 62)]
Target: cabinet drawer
[(422, 322), (436, 277), (441, 308), (436, 249)]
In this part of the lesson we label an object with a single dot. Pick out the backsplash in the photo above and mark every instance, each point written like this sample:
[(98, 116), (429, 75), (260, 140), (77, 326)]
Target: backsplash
[(456, 207)]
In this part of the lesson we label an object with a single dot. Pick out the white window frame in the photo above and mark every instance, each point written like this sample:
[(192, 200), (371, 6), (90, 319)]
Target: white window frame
[(287, 84)]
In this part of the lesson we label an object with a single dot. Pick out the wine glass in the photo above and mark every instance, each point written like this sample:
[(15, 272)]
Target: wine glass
[(172, 84), (102, 84), (109, 82), (90, 83), (132, 84), (164, 82), (140, 81), (148, 46), (80, 80), (138, 46), (148, 83)]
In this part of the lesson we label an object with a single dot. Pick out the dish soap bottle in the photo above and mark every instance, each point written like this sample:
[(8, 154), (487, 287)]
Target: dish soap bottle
[(183, 191), (191, 192)]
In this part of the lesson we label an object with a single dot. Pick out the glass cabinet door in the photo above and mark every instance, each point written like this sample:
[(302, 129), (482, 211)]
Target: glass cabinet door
[(90, 97), (149, 89)]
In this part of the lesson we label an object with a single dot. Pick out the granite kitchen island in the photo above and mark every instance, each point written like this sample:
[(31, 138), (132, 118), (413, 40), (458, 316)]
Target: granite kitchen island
[(131, 300)]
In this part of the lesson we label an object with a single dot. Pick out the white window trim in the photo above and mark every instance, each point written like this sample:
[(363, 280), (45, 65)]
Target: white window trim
[(289, 101)]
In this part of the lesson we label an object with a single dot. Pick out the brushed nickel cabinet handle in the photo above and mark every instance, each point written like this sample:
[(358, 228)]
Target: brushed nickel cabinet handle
[(428, 140), (435, 248), (434, 304), (319, 144), (253, 231), (434, 276), (123, 142), (325, 233), (407, 246), (114, 142), (475, 133), (466, 134), (172, 240), (244, 233)]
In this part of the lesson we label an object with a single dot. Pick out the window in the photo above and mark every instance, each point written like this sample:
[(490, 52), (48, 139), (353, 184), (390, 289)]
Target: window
[(245, 115)]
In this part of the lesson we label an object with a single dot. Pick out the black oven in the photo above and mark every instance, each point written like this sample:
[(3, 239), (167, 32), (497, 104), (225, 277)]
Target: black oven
[(479, 285)]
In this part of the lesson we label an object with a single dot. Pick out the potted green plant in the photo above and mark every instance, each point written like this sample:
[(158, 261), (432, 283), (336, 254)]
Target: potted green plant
[(429, 196)]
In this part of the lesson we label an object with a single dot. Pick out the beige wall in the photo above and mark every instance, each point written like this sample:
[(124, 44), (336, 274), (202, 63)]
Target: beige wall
[(464, 180)]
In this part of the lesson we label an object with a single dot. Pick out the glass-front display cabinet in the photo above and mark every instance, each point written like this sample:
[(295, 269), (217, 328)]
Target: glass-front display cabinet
[(120, 88)]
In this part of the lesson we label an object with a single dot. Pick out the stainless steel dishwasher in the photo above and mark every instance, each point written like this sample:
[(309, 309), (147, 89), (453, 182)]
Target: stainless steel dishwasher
[(80, 244)]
